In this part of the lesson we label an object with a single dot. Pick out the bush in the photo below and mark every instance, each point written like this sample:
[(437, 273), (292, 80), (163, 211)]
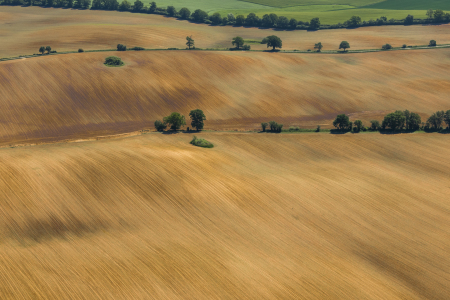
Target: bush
[(404, 46), (292, 128), (386, 47), (201, 143), (318, 128), (432, 43), (113, 61), (53, 51), (80, 50), (160, 126), (137, 48), (121, 47), (246, 47)]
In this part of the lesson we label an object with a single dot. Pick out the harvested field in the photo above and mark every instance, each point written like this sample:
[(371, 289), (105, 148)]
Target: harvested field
[(75, 96), (25, 29), (260, 216)]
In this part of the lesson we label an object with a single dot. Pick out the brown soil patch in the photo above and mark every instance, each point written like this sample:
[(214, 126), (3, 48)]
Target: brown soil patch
[(260, 216)]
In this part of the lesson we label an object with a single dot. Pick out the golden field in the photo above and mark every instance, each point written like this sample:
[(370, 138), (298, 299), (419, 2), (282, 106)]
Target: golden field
[(25, 29), (260, 216), (73, 96)]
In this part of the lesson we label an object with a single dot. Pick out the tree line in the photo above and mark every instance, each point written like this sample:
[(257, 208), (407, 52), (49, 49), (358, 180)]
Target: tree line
[(251, 20), (176, 120)]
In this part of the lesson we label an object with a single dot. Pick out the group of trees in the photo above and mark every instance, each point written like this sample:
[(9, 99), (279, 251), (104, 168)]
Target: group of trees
[(176, 120), (274, 126), (42, 50), (398, 120)]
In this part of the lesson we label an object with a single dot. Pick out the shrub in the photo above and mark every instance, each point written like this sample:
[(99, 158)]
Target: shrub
[(318, 128), (293, 128), (113, 61), (404, 46), (121, 47), (386, 47), (53, 51), (160, 126), (137, 48), (201, 143), (80, 50), (432, 43), (246, 47)]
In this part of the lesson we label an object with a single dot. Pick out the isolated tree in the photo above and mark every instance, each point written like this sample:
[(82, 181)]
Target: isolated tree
[(283, 22), (197, 118), (160, 126), (318, 46), (240, 20), (48, 49), (409, 20), (436, 119), (42, 49), (430, 14), (171, 11), (374, 125), (190, 41), (238, 42), (314, 24), (354, 21), (152, 8), (447, 118), (185, 13), (293, 23), (175, 120), (264, 126), (432, 43), (199, 15), (395, 120), (341, 122), (358, 125), (138, 5), (274, 41), (344, 45)]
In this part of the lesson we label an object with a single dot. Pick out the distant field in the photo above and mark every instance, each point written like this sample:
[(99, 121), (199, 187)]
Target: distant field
[(287, 3), (74, 95), (411, 4), (259, 216)]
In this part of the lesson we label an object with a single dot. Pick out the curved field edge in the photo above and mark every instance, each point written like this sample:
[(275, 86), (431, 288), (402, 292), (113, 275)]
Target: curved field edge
[(261, 216), (60, 97)]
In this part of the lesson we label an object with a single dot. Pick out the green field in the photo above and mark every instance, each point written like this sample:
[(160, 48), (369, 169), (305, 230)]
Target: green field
[(329, 11)]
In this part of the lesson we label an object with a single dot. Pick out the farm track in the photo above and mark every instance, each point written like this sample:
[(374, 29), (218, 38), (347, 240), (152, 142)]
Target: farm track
[(259, 216)]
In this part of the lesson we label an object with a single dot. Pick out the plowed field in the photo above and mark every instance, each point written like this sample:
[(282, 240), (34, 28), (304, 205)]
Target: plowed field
[(260, 216)]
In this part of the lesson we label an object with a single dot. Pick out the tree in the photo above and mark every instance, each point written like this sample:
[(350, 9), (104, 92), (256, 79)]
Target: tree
[(430, 14), (386, 47), (283, 22), (395, 120), (251, 20), (409, 20), (216, 18), (341, 122), (152, 8), (70, 4), (354, 21), (48, 49), (274, 41), (436, 119), (199, 16), (318, 46), (238, 42), (190, 41), (358, 125), (432, 43), (175, 120), (413, 122), (197, 118), (344, 45), (49, 3), (374, 125), (185, 13), (264, 125), (273, 125), (138, 5), (231, 18), (293, 23), (171, 11), (121, 47), (124, 6), (42, 50), (314, 24), (240, 20), (160, 126), (447, 118), (267, 21)]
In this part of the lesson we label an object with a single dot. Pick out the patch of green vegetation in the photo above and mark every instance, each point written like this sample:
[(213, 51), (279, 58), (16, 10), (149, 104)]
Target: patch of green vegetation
[(250, 41), (113, 61), (411, 4), (201, 143)]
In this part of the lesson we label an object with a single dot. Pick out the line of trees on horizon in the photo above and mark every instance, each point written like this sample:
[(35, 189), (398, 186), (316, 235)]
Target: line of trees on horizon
[(251, 20)]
